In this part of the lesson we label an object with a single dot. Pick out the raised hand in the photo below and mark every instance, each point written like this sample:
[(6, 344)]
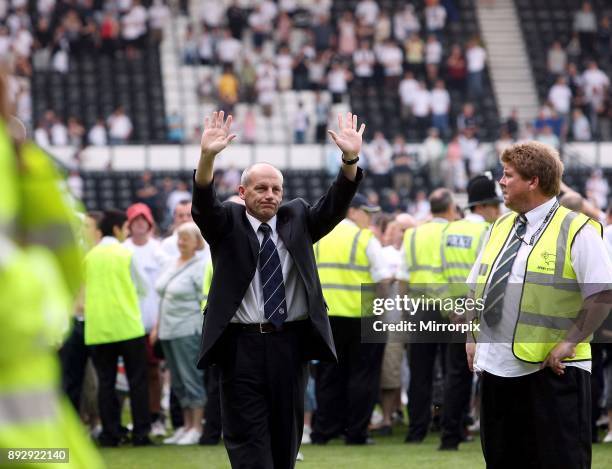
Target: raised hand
[(348, 139), (216, 135)]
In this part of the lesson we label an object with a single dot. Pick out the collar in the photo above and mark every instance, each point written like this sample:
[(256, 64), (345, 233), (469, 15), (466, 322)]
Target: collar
[(108, 240), (536, 215), (255, 223), (439, 220), (474, 217)]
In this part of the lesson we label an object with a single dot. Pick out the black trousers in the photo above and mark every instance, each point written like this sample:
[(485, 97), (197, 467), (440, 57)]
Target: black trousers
[(73, 357), (457, 393), (539, 421), (347, 391), (421, 360), (262, 380), (212, 410), (105, 358)]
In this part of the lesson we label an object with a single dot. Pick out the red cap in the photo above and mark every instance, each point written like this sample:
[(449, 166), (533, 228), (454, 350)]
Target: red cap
[(137, 210)]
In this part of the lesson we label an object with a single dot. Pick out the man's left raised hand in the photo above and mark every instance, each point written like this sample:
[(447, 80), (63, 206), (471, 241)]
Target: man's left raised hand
[(348, 138)]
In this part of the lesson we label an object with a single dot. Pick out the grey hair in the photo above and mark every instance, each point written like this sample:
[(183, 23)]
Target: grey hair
[(244, 178), (192, 229)]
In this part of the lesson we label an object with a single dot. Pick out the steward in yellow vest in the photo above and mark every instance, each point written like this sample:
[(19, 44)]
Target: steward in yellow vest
[(461, 243), (422, 259), (113, 327), (348, 258), (40, 273), (543, 276)]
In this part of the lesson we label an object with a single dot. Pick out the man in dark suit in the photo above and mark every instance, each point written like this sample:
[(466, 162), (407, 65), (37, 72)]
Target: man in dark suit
[(266, 315)]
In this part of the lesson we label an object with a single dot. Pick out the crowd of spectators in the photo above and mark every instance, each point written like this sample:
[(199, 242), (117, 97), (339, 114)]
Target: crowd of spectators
[(43, 37), (578, 103), (291, 45)]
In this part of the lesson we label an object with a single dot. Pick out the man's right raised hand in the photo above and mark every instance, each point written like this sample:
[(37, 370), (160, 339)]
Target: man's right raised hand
[(216, 135)]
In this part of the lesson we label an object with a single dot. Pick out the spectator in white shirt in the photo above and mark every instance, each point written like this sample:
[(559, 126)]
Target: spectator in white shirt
[(440, 107), (159, 14), (435, 17), (97, 134), (557, 59), (379, 155), (134, 28), (228, 48), (405, 23), (581, 128), (41, 135), (119, 127), (585, 24), (597, 188), (560, 96), (367, 11), (59, 133), (212, 13), (363, 63), (337, 81), (433, 57), (421, 106), (407, 89), (391, 58), (301, 123), (206, 48), (476, 58), (595, 84)]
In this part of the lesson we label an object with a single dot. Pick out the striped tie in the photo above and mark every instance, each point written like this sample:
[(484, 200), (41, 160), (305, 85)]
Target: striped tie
[(271, 275), (499, 279)]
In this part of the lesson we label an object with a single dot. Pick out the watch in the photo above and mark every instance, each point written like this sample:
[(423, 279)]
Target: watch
[(350, 162)]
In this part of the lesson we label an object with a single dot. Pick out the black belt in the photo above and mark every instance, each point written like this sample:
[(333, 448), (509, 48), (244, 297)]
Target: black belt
[(264, 327)]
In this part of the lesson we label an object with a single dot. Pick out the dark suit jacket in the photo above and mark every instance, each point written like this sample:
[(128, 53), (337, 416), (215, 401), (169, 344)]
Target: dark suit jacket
[(234, 247)]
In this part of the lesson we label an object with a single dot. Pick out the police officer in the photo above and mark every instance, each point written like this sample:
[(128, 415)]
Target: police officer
[(461, 243), (422, 266), (348, 258)]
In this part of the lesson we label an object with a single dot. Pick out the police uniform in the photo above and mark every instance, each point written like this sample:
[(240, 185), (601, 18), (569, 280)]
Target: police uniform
[(531, 417)]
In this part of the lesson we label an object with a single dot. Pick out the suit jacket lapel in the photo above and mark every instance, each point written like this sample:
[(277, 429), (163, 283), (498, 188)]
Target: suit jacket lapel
[(284, 230), (253, 241)]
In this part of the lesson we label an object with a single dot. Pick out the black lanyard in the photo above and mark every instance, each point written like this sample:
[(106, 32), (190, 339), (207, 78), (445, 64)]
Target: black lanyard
[(541, 227)]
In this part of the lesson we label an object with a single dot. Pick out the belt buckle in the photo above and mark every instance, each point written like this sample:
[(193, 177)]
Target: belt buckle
[(261, 330)]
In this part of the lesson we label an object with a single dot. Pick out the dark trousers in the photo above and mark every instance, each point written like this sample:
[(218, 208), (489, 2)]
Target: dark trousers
[(105, 357), (421, 360), (73, 357), (457, 393), (262, 380), (539, 421), (212, 410), (347, 391)]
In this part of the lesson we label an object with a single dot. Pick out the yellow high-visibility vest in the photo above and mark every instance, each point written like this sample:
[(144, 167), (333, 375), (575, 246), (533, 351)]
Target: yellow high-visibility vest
[(423, 251), (344, 269), (550, 298), (111, 302)]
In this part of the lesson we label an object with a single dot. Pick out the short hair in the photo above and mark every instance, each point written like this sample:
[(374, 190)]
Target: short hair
[(110, 219), (536, 159), (192, 229), (440, 200), (182, 202), (246, 174), (96, 216), (572, 200)]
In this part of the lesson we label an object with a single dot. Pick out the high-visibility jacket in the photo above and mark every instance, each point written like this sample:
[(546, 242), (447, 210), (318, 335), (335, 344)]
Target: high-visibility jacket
[(37, 288), (344, 269), (550, 296), (111, 301), (423, 251), (208, 273), (461, 243)]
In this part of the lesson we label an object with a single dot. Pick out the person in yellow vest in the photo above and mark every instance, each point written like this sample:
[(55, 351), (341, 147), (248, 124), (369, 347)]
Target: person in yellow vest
[(346, 392), (461, 243), (421, 266), (40, 275), (542, 277), (113, 327)]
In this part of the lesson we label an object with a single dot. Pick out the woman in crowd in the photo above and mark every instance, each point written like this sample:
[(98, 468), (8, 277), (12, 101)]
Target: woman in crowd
[(180, 290)]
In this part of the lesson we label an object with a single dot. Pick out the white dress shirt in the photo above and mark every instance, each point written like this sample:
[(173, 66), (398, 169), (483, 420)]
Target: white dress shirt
[(251, 310), (593, 271)]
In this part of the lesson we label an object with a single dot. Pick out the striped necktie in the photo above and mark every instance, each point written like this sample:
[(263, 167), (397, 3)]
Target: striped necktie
[(499, 279), (271, 275)]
